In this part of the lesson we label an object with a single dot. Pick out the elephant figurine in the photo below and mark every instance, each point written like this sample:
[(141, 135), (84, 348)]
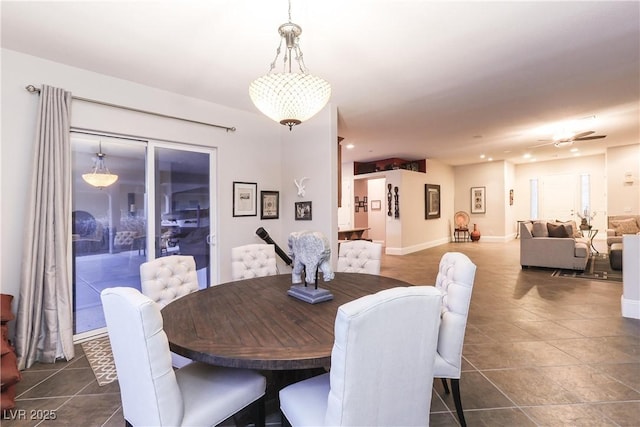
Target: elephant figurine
[(310, 251)]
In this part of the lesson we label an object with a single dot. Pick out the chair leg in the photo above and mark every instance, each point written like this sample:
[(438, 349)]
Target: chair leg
[(445, 385), (284, 422), (455, 385), (260, 413)]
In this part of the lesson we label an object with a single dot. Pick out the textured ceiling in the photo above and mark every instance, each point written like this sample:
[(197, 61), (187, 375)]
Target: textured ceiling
[(414, 79)]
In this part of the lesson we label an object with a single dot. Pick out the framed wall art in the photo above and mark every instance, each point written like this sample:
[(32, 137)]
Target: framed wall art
[(303, 211), (245, 199), (431, 201), (269, 205), (478, 200), (376, 205)]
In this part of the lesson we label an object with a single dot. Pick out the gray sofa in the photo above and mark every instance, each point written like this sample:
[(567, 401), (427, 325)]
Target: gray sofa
[(539, 249), (619, 225)]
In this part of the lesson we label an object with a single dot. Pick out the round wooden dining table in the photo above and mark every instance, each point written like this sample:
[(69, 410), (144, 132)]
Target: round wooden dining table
[(254, 324)]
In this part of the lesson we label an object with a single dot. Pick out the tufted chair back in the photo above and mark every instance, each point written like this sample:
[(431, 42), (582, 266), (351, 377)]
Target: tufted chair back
[(167, 278), (455, 279), (381, 364), (125, 238), (359, 256), (148, 385), (254, 260), (151, 391)]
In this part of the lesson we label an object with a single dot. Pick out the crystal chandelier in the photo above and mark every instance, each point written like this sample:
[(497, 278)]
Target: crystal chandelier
[(100, 176), (289, 97)]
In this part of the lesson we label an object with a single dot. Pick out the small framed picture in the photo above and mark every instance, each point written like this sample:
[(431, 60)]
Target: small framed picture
[(478, 200), (432, 201), (245, 199), (376, 205), (303, 211), (269, 204)]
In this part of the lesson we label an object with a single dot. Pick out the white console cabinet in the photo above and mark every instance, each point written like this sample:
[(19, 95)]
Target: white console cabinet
[(631, 276)]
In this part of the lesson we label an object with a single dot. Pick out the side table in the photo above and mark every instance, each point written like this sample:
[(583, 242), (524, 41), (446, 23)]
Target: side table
[(461, 235), (591, 233)]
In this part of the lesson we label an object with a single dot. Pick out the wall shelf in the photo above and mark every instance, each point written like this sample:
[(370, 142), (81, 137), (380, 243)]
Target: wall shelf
[(360, 168)]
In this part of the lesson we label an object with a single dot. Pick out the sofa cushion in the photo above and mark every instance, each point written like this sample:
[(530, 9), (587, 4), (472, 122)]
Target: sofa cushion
[(625, 226), (559, 230), (540, 229), (581, 250)]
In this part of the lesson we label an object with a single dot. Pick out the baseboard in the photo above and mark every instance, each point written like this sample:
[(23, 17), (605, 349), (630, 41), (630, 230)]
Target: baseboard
[(630, 308), (416, 248)]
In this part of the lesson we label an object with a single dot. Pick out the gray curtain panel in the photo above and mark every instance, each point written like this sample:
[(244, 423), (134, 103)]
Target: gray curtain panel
[(44, 325)]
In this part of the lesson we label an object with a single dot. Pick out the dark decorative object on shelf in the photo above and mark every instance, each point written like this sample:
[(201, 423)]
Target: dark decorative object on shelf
[(475, 234), (397, 203), (389, 197), (390, 164)]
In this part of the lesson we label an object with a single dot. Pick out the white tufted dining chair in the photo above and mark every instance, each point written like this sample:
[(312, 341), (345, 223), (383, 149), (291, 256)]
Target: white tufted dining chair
[(152, 392), (378, 364), (359, 256), (455, 278), (254, 260), (166, 279)]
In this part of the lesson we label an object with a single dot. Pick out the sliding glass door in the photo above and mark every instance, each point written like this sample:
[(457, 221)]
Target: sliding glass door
[(160, 205), (182, 219)]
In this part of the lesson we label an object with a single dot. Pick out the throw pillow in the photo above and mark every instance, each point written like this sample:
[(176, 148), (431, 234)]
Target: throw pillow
[(575, 230), (558, 230), (540, 229), (625, 226)]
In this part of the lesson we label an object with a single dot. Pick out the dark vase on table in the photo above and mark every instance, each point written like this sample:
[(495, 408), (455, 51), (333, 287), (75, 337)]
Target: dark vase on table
[(475, 234)]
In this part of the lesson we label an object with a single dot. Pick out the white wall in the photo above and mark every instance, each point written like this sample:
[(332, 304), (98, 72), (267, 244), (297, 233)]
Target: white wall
[(346, 210), (311, 150), (254, 153), (592, 165), (509, 210), (491, 175), (412, 232), (623, 197), (377, 219)]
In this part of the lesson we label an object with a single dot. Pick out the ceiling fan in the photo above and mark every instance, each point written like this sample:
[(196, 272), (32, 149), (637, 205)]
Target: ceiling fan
[(567, 141)]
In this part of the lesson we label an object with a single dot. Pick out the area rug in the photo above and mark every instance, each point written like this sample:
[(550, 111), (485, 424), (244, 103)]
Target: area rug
[(598, 268), (100, 357)]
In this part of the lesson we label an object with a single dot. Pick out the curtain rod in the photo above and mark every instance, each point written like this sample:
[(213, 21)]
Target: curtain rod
[(33, 89)]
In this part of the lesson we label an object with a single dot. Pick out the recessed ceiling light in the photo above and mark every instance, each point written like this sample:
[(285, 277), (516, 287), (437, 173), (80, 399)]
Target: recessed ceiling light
[(350, 146), (482, 156), (527, 155), (574, 150), (490, 159)]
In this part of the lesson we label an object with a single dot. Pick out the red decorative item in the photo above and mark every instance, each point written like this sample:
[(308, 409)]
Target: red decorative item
[(9, 374), (475, 234)]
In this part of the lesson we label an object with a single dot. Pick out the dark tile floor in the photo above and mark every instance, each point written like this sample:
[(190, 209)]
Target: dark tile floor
[(539, 350)]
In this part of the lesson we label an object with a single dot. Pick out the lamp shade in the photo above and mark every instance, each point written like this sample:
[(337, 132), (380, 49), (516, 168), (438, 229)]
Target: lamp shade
[(289, 98), (100, 180), (100, 176)]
